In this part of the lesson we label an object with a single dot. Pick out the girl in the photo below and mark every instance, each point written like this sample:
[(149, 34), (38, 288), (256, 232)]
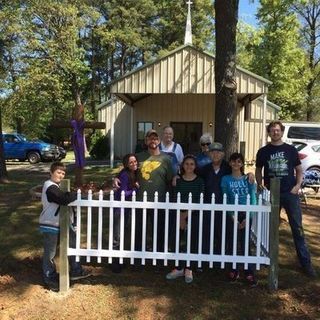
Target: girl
[(128, 183), (189, 182), (237, 184)]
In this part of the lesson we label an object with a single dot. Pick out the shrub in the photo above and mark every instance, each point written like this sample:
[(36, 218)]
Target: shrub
[(100, 146)]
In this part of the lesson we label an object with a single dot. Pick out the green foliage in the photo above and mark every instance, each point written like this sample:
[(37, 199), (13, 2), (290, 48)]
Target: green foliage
[(100, 146), (279, 58)]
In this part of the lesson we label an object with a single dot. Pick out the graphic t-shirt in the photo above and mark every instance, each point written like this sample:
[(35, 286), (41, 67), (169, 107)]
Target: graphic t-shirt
[(232, 186), (279, 161), (155, 175)]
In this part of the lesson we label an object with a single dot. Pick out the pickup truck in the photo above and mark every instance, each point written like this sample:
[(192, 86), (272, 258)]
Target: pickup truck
[(16, 146)]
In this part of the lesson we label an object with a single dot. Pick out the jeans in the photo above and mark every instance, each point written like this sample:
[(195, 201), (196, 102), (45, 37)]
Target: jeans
[(116, 226), (241, 241), (50, 243), (291, 203)]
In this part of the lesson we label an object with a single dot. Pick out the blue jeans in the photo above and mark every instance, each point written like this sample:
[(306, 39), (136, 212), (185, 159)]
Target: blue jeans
[(291, 203), (50, 243)]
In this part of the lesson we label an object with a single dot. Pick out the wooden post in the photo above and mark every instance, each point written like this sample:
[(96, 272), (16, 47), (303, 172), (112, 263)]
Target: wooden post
[(64, 241), (274, 234)]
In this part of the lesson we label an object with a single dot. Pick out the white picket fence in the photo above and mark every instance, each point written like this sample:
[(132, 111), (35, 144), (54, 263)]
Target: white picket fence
[(94, 235)]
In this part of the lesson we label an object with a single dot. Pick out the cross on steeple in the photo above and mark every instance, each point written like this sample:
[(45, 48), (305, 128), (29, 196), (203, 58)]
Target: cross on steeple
[(188, 33)]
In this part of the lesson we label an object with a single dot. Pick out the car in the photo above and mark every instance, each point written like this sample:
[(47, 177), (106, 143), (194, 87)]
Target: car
[(309, 154), (17, 146)]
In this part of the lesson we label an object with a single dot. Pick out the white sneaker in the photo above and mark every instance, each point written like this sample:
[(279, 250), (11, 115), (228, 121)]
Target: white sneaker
[(188, 277), (174, 274)]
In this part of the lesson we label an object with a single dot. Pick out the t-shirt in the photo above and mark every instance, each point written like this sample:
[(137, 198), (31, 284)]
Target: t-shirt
[(195, 187), (155, 174), (232, 186), (278, 161)]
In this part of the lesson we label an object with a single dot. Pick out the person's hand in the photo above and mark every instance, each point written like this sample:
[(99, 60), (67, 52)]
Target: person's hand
[(242, 225), (174, 180), (260, 187), (116, 184), (295, 189), (251, 177), (137, 185), (183, 220)]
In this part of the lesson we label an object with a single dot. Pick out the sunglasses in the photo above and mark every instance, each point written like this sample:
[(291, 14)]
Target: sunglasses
[(205, 144)]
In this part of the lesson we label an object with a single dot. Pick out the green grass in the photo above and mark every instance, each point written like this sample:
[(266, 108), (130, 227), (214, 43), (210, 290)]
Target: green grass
[(141, 293)]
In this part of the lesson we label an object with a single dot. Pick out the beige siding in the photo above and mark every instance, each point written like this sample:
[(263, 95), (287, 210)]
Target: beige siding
[(183, 71), (119, 114), (253, 129)]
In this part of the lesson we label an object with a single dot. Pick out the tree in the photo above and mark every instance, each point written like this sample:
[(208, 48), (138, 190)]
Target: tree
[(226, 18), (279, 57), (309, 16)]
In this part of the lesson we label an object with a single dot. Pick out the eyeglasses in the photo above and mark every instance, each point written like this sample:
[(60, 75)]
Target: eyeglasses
[(205, 144)]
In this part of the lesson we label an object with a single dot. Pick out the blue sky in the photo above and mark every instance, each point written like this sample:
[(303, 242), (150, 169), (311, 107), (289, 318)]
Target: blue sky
[(247, 10)]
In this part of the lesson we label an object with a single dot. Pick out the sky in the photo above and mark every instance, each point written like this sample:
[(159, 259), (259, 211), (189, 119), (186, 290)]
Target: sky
[(247, 10)]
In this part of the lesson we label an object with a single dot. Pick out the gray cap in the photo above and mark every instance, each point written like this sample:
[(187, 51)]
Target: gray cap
[(151, 132), (216, 146)]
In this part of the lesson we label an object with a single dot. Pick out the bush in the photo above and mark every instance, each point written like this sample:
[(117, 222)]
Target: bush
[(100, 146)]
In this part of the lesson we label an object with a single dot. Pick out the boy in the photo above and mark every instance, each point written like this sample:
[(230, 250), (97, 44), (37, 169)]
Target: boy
[(52, 197)]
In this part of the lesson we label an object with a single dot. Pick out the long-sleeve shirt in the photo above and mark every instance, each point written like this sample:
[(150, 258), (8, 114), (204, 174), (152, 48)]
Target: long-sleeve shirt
[(124, 186)]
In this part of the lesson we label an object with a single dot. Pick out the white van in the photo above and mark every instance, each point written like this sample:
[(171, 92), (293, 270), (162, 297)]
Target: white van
[(297, 131)]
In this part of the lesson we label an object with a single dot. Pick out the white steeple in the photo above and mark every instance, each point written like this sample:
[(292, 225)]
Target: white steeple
[(188, 34)]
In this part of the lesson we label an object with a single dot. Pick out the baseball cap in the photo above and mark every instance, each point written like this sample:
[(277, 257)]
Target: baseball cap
[(151, 132), (216, 146)]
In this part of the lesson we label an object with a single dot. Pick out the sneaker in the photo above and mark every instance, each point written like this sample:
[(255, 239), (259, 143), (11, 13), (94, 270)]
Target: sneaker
[(79, 275), (233, 275), (174, 274), (188, 277), (309, 271), (251, 280)]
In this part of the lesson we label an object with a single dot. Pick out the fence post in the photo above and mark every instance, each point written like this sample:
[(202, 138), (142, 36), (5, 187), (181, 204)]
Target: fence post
[(274, 234), (64, 241)]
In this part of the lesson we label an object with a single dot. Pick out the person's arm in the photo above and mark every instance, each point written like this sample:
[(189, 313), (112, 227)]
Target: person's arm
[(54, 194), (299, 178), (258, 173), (179, 153), (125, 185)]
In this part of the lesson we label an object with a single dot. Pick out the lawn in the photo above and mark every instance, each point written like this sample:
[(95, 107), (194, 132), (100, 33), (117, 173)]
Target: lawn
[(140, 293)]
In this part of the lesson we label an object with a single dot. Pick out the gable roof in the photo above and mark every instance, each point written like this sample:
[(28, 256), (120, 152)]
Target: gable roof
[(183, 70)]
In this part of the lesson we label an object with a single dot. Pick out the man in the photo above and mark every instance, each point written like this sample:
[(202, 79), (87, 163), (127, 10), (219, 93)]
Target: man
[(279, 159), (155, 174), (172, 148), (212, 174)]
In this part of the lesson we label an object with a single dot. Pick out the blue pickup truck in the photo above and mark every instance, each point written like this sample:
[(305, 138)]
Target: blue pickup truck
[(16, 146)]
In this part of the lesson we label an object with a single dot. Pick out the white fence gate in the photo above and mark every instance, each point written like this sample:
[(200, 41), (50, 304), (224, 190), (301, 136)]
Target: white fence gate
[(95, 232)]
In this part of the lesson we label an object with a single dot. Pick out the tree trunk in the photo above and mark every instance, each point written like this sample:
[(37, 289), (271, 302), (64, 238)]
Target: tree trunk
[(3, 167), (226, 15)]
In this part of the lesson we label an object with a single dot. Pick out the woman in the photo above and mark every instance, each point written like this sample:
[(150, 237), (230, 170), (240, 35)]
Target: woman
[(128, 183), (189, 182)]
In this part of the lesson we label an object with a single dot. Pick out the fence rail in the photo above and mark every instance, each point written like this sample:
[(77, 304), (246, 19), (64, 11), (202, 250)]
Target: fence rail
[(155, 222)]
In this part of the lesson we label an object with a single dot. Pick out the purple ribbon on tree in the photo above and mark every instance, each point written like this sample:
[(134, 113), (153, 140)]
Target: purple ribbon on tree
[(78, 142)]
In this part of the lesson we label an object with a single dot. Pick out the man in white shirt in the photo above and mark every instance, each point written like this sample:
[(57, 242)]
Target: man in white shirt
[(172, 148)]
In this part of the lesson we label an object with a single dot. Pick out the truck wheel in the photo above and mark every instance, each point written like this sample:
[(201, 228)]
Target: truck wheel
[(33, 157)]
